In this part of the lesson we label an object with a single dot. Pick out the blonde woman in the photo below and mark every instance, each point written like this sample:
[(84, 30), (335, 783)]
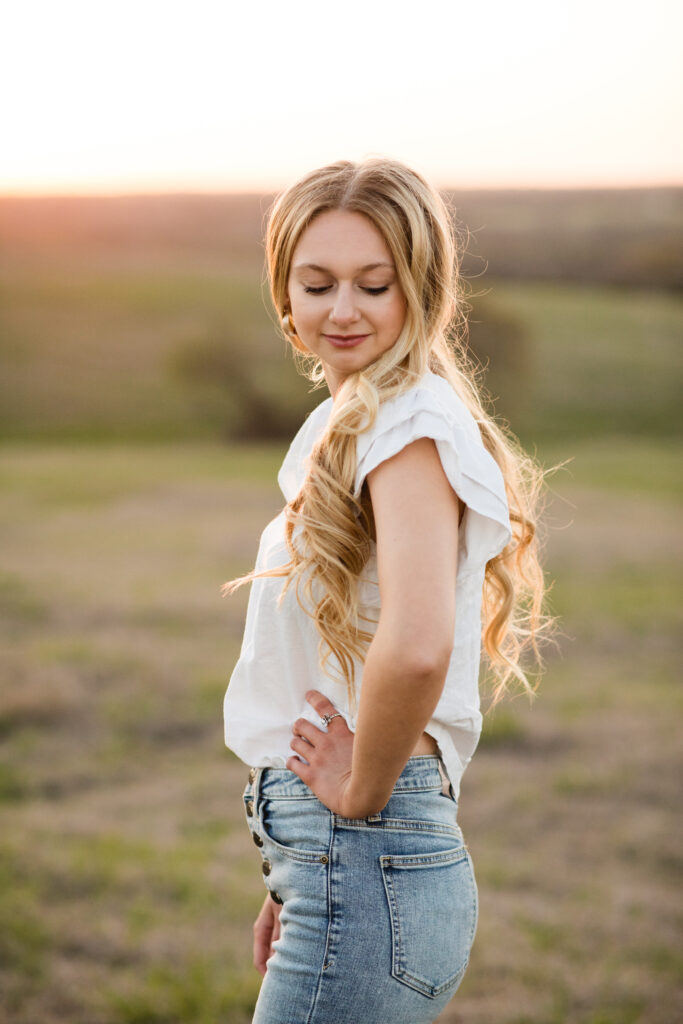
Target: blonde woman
[(407, 538)]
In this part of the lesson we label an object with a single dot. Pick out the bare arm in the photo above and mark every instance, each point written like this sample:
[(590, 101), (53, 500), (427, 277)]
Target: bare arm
[(416, 518)]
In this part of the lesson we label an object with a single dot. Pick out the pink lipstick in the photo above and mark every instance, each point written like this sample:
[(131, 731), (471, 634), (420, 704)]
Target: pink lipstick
[(345, 340)]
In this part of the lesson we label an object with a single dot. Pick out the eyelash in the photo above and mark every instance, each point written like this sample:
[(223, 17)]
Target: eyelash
[(370, 291)]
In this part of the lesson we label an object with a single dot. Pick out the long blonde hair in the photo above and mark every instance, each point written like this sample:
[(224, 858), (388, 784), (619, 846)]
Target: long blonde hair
[(328, 530)]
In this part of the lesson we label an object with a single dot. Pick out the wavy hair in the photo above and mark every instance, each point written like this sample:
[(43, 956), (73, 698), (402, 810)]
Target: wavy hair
[(329, 532)]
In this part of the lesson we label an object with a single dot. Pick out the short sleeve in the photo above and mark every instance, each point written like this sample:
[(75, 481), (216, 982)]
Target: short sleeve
[(434, 410)]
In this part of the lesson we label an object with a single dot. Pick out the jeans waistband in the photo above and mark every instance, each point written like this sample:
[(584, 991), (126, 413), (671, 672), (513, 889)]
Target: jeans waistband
[(421, 774)]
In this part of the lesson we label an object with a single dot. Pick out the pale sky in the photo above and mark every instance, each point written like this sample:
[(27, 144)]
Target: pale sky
[(210, 95)]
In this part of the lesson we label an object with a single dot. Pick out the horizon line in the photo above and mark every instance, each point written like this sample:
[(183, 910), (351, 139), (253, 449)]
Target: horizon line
[(118, 192)]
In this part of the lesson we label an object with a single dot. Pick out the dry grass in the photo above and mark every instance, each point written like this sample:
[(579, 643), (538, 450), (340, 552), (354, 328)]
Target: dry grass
[(127, 880)]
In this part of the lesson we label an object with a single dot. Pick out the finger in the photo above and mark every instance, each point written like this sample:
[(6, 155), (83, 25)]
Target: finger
[(261, 954), (321, 703), (306, 729), (263, 933), (297, 766), (276, 929), (302, 747), (275, 933)]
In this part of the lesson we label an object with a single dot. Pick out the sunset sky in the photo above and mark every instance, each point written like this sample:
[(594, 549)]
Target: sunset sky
[(159, 95)]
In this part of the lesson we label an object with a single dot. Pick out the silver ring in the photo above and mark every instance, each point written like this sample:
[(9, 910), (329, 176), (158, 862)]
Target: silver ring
[(326, 719)]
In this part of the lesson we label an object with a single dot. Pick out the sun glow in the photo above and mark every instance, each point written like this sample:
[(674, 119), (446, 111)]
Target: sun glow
[(151, 96)]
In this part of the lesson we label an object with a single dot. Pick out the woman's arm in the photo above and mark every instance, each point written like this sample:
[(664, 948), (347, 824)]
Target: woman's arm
[(266, 932), (416, 516)]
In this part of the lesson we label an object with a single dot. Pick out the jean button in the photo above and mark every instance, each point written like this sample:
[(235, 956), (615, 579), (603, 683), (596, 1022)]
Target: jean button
[(250, 807), (257, 839), (275, 897), (266, 867)]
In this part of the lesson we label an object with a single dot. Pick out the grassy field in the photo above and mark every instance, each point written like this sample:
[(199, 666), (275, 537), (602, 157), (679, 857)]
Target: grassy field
[(114, 348), (128, 880)]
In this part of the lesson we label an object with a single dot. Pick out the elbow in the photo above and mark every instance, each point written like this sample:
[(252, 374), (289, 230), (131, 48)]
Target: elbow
[(419, 637), (427, 660), (420, 648)]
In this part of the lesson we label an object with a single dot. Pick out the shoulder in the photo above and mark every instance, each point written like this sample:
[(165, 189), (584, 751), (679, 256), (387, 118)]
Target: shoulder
[(432, 409), (431, 394)]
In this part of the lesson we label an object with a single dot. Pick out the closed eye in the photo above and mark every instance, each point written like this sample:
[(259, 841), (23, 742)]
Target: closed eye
[(324, 288)]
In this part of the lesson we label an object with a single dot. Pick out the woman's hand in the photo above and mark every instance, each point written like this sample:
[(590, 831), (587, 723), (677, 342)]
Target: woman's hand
[(328, 772), (266, 932)]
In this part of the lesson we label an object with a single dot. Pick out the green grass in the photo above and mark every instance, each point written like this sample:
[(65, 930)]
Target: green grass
[(629, 596), (128, 882), (97, 352), (502, 727), (24, 936), (619, 465), (129, 867), (195, 994), (103, 353), (49, 475), (603, 362)]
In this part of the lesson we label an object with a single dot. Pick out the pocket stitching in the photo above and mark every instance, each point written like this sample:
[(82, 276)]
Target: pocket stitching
[(302, 856), (446, 858), (419, 825)]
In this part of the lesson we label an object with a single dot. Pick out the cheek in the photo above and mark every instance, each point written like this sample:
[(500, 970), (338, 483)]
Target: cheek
[(396, 316), (301, 312)]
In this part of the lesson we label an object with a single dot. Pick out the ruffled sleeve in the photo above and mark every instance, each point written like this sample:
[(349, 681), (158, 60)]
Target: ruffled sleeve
[(293, 469), (433, 409)]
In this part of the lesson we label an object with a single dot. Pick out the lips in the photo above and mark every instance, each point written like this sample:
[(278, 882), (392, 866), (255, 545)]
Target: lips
[(345, 340)]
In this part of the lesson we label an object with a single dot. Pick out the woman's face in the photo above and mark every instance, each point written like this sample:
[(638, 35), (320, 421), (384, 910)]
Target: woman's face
[(345, 300)]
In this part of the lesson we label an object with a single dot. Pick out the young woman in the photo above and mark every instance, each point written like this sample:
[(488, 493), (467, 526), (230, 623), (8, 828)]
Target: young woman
[(408, 531)]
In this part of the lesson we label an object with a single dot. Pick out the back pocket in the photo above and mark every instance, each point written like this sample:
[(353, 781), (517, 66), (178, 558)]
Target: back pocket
[(433, 907)]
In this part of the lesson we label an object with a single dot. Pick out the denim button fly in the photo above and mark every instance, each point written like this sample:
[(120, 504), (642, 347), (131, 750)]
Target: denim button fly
[(389, 901)]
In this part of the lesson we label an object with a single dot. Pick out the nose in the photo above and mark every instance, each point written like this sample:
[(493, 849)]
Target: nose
[(344, 310)]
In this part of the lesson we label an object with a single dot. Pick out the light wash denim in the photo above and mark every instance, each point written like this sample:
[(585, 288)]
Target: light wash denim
[(378, 914)]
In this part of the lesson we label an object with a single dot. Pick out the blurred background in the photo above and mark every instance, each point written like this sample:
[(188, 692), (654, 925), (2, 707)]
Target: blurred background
[(147, 400)]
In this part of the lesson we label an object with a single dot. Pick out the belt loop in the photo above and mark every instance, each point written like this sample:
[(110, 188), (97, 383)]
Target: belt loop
[(257, 786), (255, 783)]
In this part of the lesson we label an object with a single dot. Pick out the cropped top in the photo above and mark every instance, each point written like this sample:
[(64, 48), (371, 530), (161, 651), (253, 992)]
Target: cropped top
[(279, 659)]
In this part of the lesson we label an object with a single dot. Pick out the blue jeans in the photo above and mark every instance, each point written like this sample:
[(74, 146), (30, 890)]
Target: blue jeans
[(378, 914)]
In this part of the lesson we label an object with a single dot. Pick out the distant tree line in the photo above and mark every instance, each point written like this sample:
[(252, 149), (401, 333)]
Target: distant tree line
[(621, 237), (149, 315)]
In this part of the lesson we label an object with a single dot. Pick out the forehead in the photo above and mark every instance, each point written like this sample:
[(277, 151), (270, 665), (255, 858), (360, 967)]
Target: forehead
[(341, 240)]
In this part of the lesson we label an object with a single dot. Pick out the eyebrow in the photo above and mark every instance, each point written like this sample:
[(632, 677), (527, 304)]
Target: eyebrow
[(324, 270)]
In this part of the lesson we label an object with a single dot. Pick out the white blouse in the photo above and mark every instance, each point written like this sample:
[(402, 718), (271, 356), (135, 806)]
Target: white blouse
[(278, 662)]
